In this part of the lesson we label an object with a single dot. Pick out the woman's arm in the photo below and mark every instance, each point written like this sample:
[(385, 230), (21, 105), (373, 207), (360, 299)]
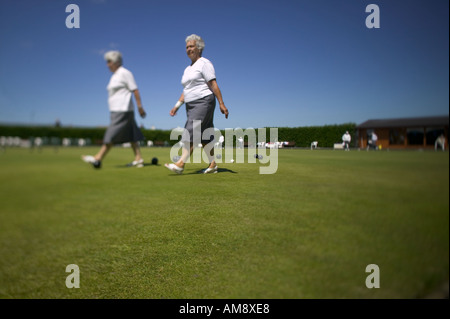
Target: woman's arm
[(215, 89), (180, 102), (137, 96)]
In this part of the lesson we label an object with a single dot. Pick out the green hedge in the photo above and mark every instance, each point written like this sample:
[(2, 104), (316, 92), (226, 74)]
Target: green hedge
[(302, 136), (326, 135), (94, 134), (26, 132)]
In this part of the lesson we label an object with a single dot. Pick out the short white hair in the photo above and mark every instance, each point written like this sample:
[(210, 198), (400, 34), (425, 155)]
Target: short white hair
[(114, 57), (198, 41)]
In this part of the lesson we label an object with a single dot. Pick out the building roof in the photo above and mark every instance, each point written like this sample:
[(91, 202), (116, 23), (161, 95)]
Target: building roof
[(406, 122)]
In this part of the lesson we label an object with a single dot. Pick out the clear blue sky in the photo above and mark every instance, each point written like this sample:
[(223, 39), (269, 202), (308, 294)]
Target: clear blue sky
[(278, 63)]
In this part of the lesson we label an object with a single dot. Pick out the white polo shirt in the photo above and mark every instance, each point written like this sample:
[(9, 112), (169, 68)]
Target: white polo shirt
[(120, 89), (346, 137), (195, 79), (374, 137)]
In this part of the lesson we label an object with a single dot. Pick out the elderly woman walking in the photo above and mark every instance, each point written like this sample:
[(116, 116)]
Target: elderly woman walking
[(123, 128), (199, 93)]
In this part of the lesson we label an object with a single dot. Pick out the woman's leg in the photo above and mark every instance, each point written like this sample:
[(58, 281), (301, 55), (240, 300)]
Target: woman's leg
[(137, 151), (212, 162), (185, 153), (188, 152), (103, 151)]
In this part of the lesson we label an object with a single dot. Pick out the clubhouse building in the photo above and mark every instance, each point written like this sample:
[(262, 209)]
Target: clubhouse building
[(404, 133)]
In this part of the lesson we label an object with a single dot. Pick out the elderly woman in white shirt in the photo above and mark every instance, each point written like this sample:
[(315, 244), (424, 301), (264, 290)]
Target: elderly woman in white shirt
[(199, 93), (123, 127)]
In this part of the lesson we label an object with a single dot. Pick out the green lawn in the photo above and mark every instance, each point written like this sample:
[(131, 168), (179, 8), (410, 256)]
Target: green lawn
[(308, 231)]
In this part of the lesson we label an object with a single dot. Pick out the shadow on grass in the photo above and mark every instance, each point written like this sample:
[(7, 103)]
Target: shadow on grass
[(200, 172), (220, 170), (129, 166)]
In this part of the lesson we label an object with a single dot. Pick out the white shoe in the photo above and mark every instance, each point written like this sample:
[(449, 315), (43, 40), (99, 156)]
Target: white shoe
[(91, 160), (174, 168), (88, 158), (210, 170), (139, 163)]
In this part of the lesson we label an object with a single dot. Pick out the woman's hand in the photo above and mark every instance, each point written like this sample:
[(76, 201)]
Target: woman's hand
[(179, 103), (224, 110), (142, 112), (215, 89), (173, 111), (137, 96)]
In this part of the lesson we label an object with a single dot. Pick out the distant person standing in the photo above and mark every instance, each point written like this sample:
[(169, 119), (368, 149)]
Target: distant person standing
[(220, 142), (346, 139), (241, 142), (373, 141), (440, 141), (123, 127), (200, 91)]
